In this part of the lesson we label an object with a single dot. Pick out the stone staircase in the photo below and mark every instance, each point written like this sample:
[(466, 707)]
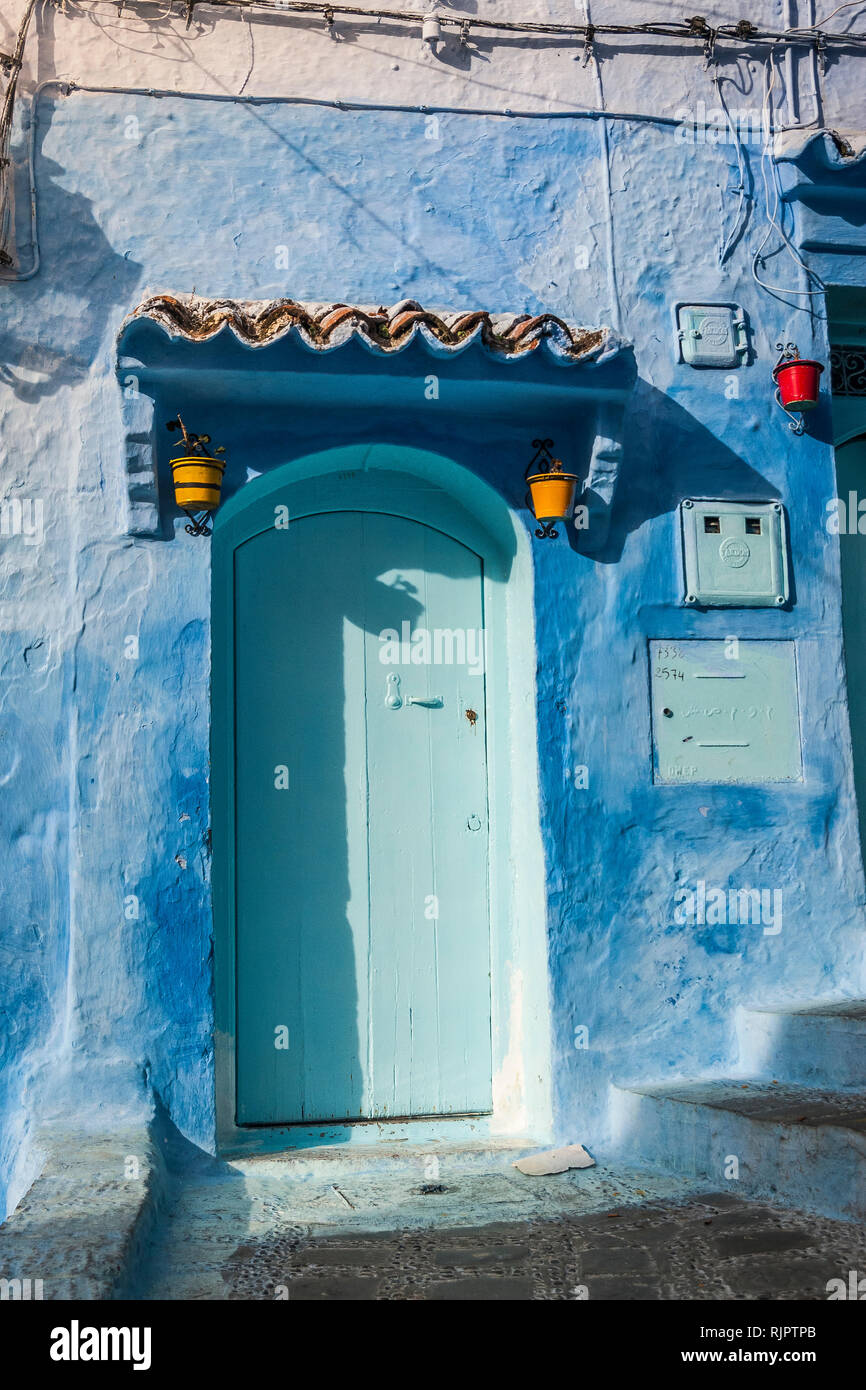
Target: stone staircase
[(790, 1126)]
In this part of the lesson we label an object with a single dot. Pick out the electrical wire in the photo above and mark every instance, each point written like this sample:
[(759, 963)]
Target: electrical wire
[(838, 10), (690, 31), (604, 144), (14, 62), (741, 31), (252, 62), (772, 208), (738, 223)]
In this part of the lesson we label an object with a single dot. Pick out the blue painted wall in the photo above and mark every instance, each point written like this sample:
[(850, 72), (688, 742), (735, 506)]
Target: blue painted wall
[(104, 756)]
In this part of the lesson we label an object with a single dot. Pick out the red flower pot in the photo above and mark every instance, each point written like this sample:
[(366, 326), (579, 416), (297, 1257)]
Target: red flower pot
[(797, 381)]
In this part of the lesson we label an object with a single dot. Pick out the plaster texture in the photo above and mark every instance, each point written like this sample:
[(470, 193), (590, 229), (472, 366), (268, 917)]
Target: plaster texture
[(279, 161)]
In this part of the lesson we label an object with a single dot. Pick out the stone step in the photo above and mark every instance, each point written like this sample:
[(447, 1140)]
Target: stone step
[(407, 1160), (820, 1045), (81, 1229), (797, 1145)]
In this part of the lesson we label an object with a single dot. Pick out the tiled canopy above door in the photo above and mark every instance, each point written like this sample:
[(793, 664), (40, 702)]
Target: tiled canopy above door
[(315, 358), (323, 327)]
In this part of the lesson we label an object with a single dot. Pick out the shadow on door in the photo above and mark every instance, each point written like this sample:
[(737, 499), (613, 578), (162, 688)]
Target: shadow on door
[(346, 985)]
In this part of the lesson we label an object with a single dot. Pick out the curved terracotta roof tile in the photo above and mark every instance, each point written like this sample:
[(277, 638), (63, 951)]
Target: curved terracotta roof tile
[(323, 327)]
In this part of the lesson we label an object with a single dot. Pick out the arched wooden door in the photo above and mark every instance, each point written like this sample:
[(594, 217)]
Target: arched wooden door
[(352, 705)]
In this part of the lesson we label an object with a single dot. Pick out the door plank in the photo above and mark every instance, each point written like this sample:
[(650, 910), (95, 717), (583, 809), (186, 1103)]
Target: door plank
[(429, 989), (301, 930)]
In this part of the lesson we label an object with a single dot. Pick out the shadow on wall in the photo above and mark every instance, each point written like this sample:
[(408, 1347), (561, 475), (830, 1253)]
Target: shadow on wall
[(163, 1268), (82, 278), (669, 455)]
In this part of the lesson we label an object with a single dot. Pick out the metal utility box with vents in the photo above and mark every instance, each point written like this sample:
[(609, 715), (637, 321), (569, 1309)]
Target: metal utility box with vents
[(735, 553), (724, 711), (711, 335)]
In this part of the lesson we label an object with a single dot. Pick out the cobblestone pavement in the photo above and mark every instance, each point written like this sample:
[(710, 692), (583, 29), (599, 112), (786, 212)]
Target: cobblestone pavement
[(718, 1248), (260, 1233)]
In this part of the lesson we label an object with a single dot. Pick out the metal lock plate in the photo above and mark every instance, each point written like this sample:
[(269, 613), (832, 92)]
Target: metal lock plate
[(711, 335), (724, 711), (735, 553)]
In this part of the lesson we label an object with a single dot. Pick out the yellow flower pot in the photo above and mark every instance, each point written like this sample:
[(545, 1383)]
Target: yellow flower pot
[(552, 494), (197, 483)]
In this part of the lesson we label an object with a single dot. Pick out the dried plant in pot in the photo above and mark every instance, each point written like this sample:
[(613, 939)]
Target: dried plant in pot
[(551, 489), (197, 476)]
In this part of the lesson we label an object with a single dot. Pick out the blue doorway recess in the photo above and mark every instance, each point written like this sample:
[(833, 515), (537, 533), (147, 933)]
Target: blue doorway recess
[(351, 818)]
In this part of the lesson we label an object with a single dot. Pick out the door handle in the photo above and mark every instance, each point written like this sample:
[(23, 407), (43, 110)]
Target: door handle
[(430, 701)]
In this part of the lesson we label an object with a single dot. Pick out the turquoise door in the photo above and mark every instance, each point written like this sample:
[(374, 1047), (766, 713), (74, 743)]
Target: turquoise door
[(360, 822), (851, 479)]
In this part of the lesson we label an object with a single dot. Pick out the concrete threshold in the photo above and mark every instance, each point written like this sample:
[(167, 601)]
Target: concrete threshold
[(395, 1159)]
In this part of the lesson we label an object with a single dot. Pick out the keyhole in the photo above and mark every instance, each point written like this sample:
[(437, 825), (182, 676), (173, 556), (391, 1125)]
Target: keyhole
[(472, 717), (393, 698)]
